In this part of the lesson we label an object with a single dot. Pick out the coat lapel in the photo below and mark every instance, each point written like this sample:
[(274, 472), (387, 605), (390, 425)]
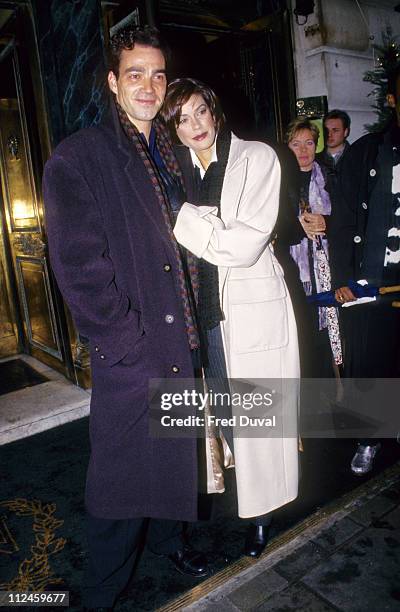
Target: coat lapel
[(139, 179), (235, 177)]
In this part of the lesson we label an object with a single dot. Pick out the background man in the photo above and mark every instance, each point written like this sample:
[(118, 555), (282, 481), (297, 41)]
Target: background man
[(365, 244), (336, 131), (108, 192)]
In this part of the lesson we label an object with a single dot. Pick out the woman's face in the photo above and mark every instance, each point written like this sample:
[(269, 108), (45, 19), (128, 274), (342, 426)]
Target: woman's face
[(303, 146), (196, 127)]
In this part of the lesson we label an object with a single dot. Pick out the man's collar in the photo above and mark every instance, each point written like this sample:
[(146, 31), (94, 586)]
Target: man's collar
[(340, 152)]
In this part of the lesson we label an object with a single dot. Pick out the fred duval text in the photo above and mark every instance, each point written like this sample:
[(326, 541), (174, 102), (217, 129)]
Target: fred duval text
[(212, 420)]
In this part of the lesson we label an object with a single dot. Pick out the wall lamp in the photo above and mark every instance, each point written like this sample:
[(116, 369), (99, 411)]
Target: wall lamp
[(304, 8)]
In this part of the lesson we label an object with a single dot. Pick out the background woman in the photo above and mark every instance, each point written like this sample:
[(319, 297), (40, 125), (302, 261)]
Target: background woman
[(310, 252), (243, 306)]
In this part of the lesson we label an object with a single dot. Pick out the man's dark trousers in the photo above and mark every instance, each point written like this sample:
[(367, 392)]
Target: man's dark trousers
[(113, 545)]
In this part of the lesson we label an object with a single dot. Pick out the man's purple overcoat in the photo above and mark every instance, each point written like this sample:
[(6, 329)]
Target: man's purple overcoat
[(115, 266)]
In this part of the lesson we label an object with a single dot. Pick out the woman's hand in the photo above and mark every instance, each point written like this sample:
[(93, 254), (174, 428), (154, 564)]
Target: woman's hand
[(313, 224), (344, 294)]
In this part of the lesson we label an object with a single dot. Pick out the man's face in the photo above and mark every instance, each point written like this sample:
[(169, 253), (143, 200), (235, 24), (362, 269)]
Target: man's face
[(336, 134), (394, 100), (141, 84)]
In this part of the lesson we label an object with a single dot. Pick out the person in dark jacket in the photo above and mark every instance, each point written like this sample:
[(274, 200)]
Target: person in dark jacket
[(336, 131), (365, 240), (288, 231), (108, 194), (305, 234)]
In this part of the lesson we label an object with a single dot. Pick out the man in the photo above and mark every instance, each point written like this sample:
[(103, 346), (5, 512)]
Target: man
[(336, 129), (365, 244), (108, 193)]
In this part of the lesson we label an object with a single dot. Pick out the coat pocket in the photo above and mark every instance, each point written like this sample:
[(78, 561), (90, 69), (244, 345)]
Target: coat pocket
[(99, 354), (258, 313)]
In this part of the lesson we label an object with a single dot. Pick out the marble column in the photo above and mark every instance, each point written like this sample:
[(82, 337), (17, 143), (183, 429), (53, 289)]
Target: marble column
[(72, 58)]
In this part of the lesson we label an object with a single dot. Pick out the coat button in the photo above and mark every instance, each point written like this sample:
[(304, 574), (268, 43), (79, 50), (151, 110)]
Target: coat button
[(364, 205), (175, 369), (96, 348), (357, 239), (167, 268), (372, 172), (102, 356), (169, 318)]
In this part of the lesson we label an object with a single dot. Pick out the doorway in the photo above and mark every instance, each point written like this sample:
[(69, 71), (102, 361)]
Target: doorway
[(251, 70), (31, 315)]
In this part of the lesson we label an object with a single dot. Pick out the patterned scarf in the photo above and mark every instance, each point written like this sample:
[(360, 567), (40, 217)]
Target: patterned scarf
[(319, 202), (186, 263)]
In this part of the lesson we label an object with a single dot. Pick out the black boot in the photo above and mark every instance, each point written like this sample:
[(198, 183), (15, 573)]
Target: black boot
[(256, 539)]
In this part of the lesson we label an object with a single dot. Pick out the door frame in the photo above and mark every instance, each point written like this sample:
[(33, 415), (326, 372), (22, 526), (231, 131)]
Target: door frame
[(22, 47)]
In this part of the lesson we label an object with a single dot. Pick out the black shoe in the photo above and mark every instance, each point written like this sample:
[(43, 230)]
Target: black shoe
[(256, 540), (190, 562), (98, 609)]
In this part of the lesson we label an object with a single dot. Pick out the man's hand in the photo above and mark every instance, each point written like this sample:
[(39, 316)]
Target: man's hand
[(313, 224), (344, 294)]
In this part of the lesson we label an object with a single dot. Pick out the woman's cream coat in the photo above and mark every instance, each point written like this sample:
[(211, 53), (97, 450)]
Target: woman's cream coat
[(259, 330)]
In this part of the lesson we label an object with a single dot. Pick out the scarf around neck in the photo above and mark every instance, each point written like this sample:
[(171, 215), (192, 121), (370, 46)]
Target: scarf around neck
[(209, 193), (312, 259), (319, 202), (187, 270)]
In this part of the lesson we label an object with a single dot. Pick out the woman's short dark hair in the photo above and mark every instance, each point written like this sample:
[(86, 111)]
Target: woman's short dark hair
[(301, 123), (179, 92), (127, 38)]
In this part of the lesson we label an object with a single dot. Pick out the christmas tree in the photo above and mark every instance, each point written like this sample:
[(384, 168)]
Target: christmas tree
[(387, 58)]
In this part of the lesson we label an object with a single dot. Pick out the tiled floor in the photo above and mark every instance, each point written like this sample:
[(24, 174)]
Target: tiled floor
[(347, 563), (34, 409)]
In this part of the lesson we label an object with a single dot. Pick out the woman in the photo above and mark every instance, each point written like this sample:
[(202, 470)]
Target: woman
[(310, 252), (243, 305), (288, 232)]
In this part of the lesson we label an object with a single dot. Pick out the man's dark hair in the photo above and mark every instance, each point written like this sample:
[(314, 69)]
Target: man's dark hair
[(127, 38), (178, 93), (393, 77), (339, 114)]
